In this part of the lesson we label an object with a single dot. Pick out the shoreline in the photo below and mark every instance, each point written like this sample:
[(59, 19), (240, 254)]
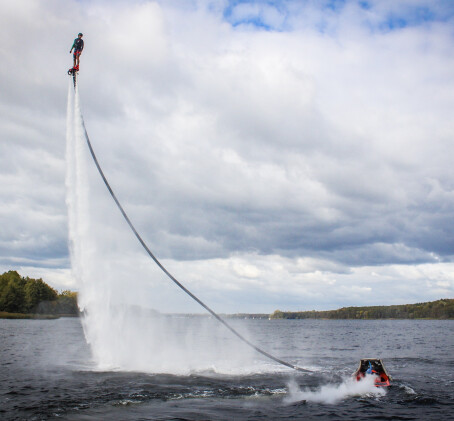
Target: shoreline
[(31, 316), (21, 316)]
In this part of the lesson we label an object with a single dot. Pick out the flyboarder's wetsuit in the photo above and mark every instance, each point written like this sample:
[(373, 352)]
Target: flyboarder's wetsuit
[(78, 46)]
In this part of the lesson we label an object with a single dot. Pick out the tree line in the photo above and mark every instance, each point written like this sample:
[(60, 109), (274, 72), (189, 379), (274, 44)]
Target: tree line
[(440, 309), (34, 296)]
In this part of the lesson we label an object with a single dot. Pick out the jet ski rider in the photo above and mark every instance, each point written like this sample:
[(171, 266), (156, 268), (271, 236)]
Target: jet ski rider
[(371, 370)]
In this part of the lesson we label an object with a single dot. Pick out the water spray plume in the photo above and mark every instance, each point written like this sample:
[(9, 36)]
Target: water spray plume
[(108, 325)]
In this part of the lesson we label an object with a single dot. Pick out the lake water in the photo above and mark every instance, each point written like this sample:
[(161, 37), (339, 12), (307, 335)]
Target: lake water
[(47, 372)]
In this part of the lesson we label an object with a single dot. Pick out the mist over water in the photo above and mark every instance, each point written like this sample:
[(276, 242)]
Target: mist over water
[(123, 295), (333, 393)]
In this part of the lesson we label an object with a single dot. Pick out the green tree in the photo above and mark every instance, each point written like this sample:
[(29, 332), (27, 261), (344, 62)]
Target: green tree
[(12, 275), (277, 315), (23, 295), (36, 292), (12, 297)]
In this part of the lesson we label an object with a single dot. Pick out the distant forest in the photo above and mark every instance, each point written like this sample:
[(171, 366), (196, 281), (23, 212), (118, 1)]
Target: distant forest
[(27, 296), (440, 309)]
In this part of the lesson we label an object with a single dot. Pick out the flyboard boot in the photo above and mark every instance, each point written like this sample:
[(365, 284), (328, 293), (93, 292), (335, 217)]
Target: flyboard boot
[(73, 70)]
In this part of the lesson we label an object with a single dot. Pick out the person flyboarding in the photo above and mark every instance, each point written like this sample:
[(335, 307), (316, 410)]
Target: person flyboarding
[(78, 46)]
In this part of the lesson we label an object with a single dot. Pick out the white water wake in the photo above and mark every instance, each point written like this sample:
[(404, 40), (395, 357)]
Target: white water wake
[(331, 394), (120, 289)]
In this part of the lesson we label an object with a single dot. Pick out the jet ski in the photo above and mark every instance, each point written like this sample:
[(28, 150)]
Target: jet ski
[(375, 367)]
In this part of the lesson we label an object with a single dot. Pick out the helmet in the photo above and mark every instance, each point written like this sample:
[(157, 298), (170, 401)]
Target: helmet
[(80, 33)]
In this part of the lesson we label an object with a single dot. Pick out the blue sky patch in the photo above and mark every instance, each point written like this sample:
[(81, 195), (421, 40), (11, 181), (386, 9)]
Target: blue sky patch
[(263, 14), (275, 14)]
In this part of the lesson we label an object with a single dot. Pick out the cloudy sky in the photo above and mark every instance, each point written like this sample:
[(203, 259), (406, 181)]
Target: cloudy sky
[(274, 154)]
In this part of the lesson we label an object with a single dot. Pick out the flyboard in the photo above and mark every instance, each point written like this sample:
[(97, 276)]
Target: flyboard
[(73, 72)]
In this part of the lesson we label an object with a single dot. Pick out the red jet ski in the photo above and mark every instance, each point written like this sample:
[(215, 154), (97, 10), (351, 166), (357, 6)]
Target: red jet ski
[(373, 366)]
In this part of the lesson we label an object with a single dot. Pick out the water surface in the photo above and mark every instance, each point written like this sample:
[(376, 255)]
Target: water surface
[(46, 371)]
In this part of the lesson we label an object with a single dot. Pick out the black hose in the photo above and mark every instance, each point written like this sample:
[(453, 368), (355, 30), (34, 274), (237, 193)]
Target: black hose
[(220, 319)]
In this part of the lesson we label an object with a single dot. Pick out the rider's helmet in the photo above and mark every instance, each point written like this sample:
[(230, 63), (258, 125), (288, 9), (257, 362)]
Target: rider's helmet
[(80, 33)]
